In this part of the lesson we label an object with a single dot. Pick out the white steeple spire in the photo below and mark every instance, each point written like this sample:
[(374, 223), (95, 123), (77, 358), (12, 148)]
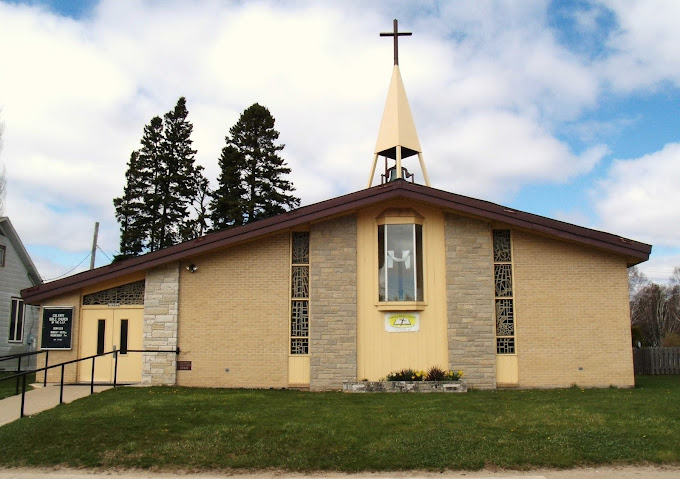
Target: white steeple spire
[(397, 138)]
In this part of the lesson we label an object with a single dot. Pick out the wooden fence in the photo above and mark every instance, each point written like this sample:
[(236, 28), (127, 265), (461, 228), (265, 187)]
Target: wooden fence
[(656, 360)]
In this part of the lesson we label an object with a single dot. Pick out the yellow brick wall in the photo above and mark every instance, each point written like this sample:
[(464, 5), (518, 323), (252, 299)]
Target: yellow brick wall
[(572, 316), (233, 314), (56, 357)]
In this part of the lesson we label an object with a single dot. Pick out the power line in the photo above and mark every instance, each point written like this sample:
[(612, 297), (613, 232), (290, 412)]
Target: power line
[(70, 271), (109, 258)]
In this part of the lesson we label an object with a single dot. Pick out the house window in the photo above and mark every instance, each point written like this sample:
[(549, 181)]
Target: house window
[(2, 255), (16, 321), (400, 262), (299, 293), (504, 292)]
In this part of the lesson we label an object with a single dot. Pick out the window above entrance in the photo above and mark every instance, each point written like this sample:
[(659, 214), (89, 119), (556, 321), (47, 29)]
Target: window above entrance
[(126, 294), (400, 257)]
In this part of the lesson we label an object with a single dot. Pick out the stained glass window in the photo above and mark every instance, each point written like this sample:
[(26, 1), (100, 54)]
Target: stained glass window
[(505, 306), (300, 282), (503, 279), (126, 294), (300, 248), (501, 246), (299, 293)]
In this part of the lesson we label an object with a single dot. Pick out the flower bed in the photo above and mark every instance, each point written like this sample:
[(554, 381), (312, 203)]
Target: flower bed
[(404, 386), (411, 380)]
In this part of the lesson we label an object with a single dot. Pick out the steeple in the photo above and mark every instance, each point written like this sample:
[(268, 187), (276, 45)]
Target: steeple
[(397, 138)]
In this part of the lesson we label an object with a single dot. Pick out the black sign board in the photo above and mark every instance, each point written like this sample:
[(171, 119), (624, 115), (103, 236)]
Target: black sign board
[(56, 327)]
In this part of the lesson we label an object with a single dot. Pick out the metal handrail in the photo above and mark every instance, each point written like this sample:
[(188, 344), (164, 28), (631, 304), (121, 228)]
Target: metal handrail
[(18, 357), (115, 352)]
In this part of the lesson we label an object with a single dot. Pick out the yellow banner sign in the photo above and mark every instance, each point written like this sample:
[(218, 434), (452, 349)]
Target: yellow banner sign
[(402, 322)]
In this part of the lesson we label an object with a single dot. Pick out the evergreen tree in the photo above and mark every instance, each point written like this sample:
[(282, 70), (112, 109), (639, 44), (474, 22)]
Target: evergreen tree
[(251, 185), (129, 211), (151, 173), (178, 182), (197, 226), (161, 182)]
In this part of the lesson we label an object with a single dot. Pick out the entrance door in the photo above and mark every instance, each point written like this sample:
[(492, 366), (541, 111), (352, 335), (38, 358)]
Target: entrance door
[(106, 329)]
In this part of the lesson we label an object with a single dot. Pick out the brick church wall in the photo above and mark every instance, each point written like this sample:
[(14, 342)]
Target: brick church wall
[(234, 312), (573, 319)]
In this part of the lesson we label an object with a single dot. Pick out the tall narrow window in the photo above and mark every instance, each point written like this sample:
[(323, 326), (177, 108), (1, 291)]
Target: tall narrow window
[(16, 321), (400, 262), (101, 336), (299, 294), (3, 251), (123, 336), (504, 292)]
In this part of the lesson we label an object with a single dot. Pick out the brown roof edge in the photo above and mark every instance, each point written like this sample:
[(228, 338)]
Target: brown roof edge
[(534, 222), (338, 205)]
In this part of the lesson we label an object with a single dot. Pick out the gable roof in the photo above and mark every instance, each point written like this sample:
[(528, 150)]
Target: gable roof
[(634, 251), (7, 229)]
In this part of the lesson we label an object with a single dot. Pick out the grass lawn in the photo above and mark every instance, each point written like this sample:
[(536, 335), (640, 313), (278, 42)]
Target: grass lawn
[(202, 429), (8, 387)]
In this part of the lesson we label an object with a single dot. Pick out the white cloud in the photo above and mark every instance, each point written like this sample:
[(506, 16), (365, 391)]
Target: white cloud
[(487, 81), (493, 154), (645, 44), (660, 267), (640, 197)]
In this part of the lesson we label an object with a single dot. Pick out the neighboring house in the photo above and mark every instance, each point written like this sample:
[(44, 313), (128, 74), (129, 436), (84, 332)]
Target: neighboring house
[(18, 321), (398, 275)]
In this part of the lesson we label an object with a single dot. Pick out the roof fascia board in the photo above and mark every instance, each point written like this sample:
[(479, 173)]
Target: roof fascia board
[(337, 206)]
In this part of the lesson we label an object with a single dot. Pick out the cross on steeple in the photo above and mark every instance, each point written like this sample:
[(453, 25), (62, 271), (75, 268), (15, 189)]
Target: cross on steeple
[(396, 33)]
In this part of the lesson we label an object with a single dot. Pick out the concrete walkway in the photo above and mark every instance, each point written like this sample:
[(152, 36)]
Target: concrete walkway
[(41, 398)]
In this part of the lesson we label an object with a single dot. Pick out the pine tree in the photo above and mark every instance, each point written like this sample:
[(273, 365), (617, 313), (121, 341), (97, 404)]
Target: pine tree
[(197, 225), (252, 184), (177, 184), (151, 174), (129, 212), (161, 183), (227, 203)]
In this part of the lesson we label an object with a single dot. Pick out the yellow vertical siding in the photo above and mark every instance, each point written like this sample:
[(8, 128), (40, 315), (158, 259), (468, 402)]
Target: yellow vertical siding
[(378, 351), (298, 370)]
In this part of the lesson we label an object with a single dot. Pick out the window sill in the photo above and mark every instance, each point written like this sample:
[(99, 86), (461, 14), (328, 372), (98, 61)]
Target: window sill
[(401, 306)]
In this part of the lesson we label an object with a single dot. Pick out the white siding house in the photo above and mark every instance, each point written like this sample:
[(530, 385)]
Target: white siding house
[(18, 321)]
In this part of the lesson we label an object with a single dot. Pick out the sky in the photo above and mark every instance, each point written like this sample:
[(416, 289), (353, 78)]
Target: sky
[(566, 109)]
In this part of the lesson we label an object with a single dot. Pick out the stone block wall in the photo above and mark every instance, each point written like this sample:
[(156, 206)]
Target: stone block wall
[(161, 298), (470, 300), (333, 303)]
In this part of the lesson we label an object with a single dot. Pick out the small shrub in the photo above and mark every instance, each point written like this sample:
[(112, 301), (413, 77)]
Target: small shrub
[(435, 373), (406, 375)]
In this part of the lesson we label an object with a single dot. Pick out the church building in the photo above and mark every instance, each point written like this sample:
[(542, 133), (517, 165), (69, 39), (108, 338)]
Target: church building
[(397, 275)]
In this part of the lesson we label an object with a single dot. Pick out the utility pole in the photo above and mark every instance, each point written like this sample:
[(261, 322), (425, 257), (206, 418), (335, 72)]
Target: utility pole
[(94, 245)]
